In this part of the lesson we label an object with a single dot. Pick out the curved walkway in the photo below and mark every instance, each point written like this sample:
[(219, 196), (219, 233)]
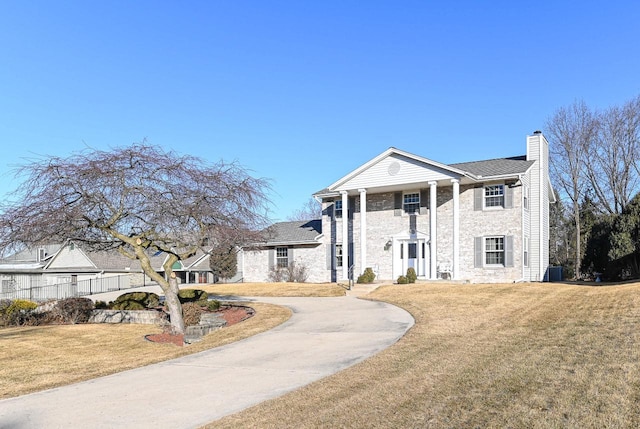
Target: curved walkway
[(323, 336)]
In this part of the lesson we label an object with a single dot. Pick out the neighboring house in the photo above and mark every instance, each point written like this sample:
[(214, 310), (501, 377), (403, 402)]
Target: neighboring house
[(68, 270), (482, 221), (285, 243)]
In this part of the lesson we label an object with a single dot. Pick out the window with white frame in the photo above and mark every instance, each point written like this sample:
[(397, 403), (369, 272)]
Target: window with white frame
[(411, 202), (525, 256), (494, 196), (282, 257), (526, 197), (494, 250), (338, 255), (338, 208)]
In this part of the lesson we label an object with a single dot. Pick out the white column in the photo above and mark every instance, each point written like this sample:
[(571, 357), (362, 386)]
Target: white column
[(456, 229), (345, 235), (433, 208), (363, 229)]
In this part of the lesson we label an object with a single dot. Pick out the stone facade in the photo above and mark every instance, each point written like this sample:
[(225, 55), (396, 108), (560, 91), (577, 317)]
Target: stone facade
[(257, 266)]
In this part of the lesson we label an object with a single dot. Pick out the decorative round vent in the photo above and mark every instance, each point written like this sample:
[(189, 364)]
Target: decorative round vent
[(394, 168)]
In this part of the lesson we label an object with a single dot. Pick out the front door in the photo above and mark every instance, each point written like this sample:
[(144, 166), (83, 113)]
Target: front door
[(413, 255)]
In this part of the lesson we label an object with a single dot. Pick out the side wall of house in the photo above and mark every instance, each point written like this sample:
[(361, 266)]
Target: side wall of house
[(256, 263), (505, 222)]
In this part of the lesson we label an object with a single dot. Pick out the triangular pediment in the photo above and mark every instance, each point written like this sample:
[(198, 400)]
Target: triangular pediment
[(395, 168), (70, 256)]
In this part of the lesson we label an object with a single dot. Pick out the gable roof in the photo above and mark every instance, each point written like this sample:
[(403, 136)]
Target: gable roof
[(475, 171), (392, 151), (296, 232)]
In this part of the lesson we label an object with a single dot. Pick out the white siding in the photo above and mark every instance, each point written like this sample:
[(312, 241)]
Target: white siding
[(395, 170), (68, 258), (538, 150)]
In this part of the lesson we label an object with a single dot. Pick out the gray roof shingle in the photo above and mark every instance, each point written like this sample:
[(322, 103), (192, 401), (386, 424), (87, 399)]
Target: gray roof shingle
[(293, 232), (495, 167)]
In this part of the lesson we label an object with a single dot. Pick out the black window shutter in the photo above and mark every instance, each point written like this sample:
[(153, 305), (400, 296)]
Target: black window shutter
[(397, 204), (272, 257), (424, 201), (330, 258)]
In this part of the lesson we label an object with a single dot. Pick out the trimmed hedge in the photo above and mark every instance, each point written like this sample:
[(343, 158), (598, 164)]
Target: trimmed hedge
[(193, 295), (136, 301)]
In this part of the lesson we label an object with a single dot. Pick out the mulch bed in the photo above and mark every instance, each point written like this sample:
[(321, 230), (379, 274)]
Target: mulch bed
[(232, 314)]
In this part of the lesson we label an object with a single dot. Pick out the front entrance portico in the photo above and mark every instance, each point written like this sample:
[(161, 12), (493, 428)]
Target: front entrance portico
[(410, 252)]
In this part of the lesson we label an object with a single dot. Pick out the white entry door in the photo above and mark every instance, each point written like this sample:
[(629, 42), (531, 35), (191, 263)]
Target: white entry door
[(412, 253)]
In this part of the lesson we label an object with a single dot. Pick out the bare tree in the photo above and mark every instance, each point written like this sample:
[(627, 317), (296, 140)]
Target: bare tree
[(571, 132), (138, 200), (611, 167), (311, 210)]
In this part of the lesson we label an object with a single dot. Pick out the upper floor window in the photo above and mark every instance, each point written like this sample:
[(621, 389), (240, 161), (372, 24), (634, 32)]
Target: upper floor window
[(494, 196), (411, 202), (526, 197), (338, 208), (282, 257)]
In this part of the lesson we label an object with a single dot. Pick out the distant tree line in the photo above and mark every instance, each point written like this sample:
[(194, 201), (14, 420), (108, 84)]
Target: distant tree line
[(595, 169)]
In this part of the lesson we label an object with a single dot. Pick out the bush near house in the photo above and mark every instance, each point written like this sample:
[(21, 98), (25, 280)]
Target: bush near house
[(191, 312), (294, 273), (402, 280), (367, 277), (16, 312), (411, 275), (74, 310)]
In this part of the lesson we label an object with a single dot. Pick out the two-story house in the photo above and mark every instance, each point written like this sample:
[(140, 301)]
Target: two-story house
[(482, 221)]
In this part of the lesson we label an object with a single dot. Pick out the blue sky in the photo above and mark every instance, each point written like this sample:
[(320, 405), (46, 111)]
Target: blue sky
[(304, 92)]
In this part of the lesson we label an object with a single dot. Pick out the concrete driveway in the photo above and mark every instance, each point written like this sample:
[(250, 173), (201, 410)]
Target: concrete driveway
[(324, 336)]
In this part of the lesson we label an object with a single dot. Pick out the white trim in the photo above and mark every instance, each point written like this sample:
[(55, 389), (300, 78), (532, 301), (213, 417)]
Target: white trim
[(484, 196), (363, 229), (345, 234), (484, 251), (433, 222), (456, 229), (395, 151)]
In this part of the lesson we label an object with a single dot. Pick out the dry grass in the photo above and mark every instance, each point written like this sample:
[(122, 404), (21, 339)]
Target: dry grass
[(483, 356), (37, 358), (276, 289)]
